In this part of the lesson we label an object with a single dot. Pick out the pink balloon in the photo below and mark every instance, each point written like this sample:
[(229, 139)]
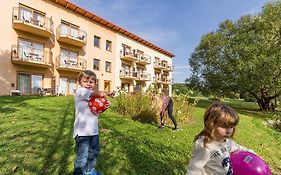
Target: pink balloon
[(247, 163)]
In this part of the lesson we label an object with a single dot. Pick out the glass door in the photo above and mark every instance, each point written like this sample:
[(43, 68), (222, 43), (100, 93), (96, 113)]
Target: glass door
[(63, 86), (24, 83), (30, 84), (36, 84), (72, 86)]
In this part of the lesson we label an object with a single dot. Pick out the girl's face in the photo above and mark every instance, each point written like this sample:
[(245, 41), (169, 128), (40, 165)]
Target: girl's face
[(88, 83), (222, 133)]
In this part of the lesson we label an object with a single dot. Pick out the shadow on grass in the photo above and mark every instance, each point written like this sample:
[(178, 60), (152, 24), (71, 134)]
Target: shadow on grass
[(147, 116), (39, 140), (137, 149)]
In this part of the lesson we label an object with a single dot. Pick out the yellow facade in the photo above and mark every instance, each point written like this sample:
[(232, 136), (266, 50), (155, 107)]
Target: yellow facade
[(46, 43)]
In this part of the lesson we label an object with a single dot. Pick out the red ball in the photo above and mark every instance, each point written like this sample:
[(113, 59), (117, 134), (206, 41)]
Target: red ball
[(98, 104)]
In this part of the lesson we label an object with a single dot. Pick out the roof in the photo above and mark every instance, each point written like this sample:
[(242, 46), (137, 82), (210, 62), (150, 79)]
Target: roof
[(110, 25)]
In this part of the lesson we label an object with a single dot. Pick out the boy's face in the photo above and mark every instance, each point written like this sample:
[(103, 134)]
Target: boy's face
[(88, 83)]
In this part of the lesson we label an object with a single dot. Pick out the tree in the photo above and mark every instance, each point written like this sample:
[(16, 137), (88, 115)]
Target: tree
[(241, 56)]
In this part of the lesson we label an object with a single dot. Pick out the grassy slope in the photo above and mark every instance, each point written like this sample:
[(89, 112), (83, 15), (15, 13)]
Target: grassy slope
[(36, 138)]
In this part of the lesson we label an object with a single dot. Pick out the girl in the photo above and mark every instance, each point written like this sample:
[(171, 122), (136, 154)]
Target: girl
[(162, 104), (213, 145)]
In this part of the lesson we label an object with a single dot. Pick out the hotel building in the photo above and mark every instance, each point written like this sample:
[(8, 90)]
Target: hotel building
[(46, 43)]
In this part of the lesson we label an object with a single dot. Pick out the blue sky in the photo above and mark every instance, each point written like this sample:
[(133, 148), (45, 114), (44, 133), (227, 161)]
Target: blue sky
[(174, 25)]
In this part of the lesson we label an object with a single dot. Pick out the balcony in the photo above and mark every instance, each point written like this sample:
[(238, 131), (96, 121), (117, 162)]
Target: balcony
[(166, 80), (29, 21), (144, 59), (128, 74), (72, 36), (128, 55), (159, 65), (71, 64), (143, 76), (30, 56), (157, 79), (169, 68)]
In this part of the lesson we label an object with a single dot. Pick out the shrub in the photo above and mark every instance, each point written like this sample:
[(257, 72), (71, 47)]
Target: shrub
[(138, 106)]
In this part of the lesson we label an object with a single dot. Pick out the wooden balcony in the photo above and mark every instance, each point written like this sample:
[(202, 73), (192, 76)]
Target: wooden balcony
[(41, 27), (30, 56), (70, 65), (66, 35)]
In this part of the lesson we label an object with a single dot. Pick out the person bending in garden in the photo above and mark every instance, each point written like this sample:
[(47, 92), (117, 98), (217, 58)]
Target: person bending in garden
[(85, 130), (213, 145), (165, 103)]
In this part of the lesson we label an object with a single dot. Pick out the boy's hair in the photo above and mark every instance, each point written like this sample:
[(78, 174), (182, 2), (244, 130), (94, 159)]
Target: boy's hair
[(217, 114), (87, 74)]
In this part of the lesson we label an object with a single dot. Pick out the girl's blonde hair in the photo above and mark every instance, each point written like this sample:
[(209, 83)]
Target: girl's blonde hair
[(217, 114)]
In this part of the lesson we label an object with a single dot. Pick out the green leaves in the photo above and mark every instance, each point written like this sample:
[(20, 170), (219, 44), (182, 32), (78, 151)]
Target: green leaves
[(240, 56)]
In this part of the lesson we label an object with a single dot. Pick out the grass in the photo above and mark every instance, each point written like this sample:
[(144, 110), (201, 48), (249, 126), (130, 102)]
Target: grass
[(36, 138)]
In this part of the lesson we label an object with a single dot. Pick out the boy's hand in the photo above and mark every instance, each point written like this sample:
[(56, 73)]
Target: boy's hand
[(111, 94)]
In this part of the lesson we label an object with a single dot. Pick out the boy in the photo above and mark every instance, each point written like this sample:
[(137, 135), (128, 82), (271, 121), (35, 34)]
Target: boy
[(85, 130)]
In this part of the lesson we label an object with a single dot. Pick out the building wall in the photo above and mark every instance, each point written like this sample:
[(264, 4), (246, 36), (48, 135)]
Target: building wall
[(52, 74)]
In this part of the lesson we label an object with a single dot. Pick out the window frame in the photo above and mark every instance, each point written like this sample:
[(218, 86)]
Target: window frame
[(98, 39)]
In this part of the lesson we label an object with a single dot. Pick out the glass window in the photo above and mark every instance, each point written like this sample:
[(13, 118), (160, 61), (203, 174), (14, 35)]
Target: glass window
[(74, 32), (96, 41), (30, 84), (108, 45), (25, 14), (24, 83), (107, 66), (63, 86), (68, 57), (96, 64), (36, 84), (72, 86), (64, 29)]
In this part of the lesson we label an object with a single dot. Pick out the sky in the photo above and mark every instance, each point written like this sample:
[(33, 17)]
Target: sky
[(176, 26)]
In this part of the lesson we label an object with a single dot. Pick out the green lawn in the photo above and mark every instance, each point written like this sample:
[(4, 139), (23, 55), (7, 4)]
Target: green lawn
[(36, 138)]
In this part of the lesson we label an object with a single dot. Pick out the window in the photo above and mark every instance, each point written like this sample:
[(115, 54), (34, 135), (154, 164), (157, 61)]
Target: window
[(97, 41), (69, 30), (106, 85), (96, 64), (68, 57), (67, 86), (30, 50), (30, 84), (108, 45), (107, 66)]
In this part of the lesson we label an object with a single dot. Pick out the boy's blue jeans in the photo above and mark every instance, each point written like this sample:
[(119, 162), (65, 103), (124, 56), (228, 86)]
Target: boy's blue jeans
[(87, 151)]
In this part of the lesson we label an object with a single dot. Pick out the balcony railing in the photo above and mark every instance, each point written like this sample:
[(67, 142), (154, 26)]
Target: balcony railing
[(159, 65), (128, 74), (166, 80), (71, 64), (30, 56), (29, 21), (157, 79), (70, 35), (143, 76), (144, 59), (128, 55)]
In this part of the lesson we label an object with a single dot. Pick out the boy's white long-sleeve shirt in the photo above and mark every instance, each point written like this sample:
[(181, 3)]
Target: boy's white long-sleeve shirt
[(213, 160)]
